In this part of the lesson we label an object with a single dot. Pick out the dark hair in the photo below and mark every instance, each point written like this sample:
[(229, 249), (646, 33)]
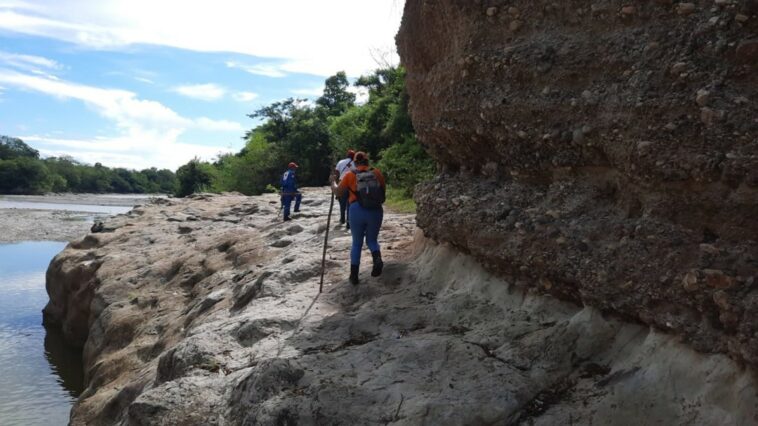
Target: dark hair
[(361, 158)]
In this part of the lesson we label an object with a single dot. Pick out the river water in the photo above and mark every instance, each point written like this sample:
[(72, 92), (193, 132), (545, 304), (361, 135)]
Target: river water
[(40, 376)]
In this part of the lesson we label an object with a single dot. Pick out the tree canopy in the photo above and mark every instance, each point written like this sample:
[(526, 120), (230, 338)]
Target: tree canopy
[(23, 172), (316, 135)]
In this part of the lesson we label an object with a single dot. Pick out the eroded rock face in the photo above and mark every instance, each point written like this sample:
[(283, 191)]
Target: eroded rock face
[(178, 300), (435, 340), (604, 152)]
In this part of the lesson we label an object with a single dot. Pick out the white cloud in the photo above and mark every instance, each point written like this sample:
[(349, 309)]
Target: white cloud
[(125, 152), (144, 80), (204, 92), (313, 91), (267, 70), (205, 123), (148, 131), (245, 96), (34, 64), (316, 37)]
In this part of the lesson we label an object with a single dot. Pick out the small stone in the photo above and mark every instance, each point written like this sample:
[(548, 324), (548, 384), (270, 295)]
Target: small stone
[(702, 97), (709, 248), (678, 68), (689, 282), (491, 11), (578, 136), (513, 11), (685, 8), (522, 134), (717, 279), (721, 299), (515, 25), (741, 17), (709, 116), (628, 10)]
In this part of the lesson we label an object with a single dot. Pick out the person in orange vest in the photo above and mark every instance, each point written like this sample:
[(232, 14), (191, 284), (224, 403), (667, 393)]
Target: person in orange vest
[(366, 188)]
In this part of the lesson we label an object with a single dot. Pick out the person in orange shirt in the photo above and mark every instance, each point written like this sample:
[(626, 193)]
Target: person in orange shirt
[(366, 188)]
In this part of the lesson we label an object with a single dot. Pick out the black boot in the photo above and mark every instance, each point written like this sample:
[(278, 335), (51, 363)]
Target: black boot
[(354, 274), (378, 264)]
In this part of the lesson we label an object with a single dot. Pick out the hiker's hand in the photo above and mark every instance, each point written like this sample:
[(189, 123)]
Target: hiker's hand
[(332, 178)]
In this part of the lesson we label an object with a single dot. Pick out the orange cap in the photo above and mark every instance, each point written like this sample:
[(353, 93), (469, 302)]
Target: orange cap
[(292, 165)]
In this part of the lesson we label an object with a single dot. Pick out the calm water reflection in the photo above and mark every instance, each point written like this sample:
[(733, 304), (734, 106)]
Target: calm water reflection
[(40, 377)]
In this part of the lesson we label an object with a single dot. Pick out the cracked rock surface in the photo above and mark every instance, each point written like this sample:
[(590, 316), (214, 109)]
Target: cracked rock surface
[(190, 314)]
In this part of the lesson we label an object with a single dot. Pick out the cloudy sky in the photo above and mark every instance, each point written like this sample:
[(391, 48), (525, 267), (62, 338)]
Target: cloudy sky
[(137, 83)]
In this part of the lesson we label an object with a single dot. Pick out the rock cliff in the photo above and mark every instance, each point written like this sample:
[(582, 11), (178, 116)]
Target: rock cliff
[(605, 152), (206, 311)]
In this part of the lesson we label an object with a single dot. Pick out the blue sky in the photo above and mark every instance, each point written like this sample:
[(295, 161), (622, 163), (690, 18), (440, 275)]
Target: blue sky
[(154, 83)]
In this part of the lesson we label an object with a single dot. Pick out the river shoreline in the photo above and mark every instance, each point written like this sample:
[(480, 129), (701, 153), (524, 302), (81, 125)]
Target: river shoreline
[(37, 217)]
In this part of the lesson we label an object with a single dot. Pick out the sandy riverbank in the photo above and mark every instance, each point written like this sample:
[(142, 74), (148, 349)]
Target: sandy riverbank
[(38, 217)]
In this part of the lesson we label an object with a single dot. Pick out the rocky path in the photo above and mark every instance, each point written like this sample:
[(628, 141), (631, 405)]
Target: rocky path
[(206, 311)]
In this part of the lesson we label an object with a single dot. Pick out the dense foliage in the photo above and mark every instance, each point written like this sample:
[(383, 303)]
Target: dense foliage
[(316, 135), (23, 172)]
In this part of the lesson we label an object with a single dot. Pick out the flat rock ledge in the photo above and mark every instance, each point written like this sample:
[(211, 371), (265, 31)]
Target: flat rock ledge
[(206, 311)]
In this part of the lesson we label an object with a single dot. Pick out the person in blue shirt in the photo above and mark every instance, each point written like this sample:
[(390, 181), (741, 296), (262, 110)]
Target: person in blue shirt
[(289, 191)]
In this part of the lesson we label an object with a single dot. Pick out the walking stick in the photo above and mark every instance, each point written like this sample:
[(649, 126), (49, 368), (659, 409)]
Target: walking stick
[(326, 240)]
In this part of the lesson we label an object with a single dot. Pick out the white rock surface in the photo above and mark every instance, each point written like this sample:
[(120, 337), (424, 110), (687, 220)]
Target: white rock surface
[(197, 314)]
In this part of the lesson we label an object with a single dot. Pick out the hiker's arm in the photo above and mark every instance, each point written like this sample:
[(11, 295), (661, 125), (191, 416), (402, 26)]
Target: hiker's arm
[(336, 189), (339, 189)]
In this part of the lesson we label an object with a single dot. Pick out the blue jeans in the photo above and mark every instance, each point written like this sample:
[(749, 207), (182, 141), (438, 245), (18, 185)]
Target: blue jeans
[(343, 207), (287, 201), (364, 223)]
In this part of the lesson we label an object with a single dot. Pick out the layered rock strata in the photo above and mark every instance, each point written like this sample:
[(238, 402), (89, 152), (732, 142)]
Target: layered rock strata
[(605, 152)]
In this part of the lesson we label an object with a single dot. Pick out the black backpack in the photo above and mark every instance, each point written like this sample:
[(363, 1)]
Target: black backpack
[(370, 192)]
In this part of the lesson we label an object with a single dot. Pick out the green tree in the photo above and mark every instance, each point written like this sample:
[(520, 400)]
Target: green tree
[(297, 132), (250, 170), (11, 148), (24, 175), (336, 98), (194, 176), (406, 164), (316, 135)]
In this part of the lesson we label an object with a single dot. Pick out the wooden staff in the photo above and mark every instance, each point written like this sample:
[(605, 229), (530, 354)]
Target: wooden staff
[(326, 241)]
